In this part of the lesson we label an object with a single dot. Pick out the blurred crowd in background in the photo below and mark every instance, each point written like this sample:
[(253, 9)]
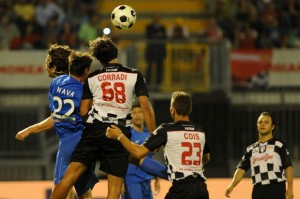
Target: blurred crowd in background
[(246, 24)]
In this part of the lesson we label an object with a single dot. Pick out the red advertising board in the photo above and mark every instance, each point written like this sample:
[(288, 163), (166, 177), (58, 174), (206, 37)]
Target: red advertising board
[(246, 64)]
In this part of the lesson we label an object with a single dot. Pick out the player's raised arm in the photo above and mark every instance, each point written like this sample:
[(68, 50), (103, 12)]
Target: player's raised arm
[(148, 113)]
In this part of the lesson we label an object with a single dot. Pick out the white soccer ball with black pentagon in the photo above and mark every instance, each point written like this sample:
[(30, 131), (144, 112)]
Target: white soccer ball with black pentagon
[(123, 17)]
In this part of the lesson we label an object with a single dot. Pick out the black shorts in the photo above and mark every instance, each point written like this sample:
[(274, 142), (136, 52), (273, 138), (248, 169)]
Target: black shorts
[(94, 146), (269, 191), (188, 189)]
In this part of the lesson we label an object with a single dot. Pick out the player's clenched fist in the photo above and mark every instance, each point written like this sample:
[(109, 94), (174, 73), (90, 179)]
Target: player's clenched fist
[(21, 135), (228, 191)]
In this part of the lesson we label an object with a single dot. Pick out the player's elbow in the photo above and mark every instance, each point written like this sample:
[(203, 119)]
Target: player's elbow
[(206, 158), (137, 155), (83, 112), (139, 152)]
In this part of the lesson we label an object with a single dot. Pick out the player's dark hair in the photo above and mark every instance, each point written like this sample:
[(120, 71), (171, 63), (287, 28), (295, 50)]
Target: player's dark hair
[(79, 61), (182, 102), (104, 49), (59, 55), (270, 115), (136, 105)]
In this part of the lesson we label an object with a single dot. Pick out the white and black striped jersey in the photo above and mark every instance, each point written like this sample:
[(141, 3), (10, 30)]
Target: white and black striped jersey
[(113, 90), (184, 145), (267, 161)]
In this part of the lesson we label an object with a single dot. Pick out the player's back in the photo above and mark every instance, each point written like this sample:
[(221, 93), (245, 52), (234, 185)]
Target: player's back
[(187, 139), (65, 97), (113, 90)]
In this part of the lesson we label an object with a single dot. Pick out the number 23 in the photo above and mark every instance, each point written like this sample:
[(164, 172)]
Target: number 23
[(191, 147)]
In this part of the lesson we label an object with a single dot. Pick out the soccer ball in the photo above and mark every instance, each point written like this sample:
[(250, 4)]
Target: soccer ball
[(123, 17)]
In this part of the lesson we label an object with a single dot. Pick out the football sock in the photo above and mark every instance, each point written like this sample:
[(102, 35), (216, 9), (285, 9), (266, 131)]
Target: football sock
[(154, 168)]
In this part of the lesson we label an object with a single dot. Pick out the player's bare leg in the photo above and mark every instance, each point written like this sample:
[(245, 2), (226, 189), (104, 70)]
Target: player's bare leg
[(70, 194), (86, 195), (114, 186), (73, 173)]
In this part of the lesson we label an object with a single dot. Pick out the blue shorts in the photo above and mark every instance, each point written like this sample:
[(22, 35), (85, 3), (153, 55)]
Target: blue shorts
[(65, 149)]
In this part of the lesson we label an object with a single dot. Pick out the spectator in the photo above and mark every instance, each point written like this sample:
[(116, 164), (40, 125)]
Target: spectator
[(227, 11), (260, 80), (178, 30), (89, 29), (51, 32), (46, 10), (32, 38), (246, 37), (68, 36), (256, 25), (213, 32), (24, 12), (10, 37), (155, 51), (273, 34)]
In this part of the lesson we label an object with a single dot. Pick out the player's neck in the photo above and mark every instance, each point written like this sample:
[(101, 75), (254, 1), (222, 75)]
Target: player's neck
[(138, 128), (264, 138), (113, 61), (81, 79), (181, 118)]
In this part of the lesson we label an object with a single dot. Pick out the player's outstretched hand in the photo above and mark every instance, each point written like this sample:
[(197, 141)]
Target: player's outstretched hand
[(228, 192), (113, 132), (21, 135)]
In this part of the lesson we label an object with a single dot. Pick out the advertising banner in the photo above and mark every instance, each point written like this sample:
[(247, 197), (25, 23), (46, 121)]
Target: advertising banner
[(285, 70), (246, 65), (278, 68), (23, 70)]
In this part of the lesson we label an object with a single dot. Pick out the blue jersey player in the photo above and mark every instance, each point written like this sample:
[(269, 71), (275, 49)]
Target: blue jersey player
[(65, 95), (137, 182)]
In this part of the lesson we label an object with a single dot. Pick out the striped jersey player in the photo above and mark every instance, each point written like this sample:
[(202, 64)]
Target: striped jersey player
[(185, 149), (113, 90), (185, 138), (108, 95)]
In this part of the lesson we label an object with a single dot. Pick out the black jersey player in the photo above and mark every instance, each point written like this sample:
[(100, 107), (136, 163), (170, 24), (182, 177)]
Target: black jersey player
[(108, 95), (185, 149), (270, 164)]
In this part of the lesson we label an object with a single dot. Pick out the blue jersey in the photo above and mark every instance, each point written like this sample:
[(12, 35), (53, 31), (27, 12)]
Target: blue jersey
[(65, 95), (134, 173)]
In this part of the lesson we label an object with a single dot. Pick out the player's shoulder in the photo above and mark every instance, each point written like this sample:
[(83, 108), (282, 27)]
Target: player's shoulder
[(277, 142), (168, 127), (252, 146), (128, 69), (117, 67), (96, 72), (59, 79)]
